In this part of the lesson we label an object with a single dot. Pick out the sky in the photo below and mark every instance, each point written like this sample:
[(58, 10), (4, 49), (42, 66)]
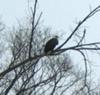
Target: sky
[(61, 15)]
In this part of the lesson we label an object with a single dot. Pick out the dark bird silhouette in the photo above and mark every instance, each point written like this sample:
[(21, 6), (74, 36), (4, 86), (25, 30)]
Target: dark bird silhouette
[(51, 44)]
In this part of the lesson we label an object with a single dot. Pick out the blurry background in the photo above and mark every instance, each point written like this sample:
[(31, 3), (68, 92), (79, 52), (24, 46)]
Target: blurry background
[(60, 15)]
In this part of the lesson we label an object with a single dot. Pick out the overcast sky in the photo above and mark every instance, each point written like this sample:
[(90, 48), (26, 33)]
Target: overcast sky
[(58, 14)]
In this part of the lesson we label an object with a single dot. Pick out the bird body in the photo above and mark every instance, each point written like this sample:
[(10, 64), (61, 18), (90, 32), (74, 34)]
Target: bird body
[(50, 45)]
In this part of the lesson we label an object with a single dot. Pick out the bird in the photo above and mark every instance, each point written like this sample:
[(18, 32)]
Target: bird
[(51, 44)]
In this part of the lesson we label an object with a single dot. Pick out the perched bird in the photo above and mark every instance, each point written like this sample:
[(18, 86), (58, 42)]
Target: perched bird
[(51, 44)]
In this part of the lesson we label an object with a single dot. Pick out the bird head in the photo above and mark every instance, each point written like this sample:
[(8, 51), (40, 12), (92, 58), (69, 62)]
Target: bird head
[(56, 37)]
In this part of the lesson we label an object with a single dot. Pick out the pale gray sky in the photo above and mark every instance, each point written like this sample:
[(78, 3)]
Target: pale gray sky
[(58, 14)]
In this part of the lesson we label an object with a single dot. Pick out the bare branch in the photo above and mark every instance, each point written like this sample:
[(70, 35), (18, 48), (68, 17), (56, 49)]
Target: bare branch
[(79, 24)]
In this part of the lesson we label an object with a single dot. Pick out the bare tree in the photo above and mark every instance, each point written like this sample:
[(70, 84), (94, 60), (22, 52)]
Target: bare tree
[(32, 72)]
